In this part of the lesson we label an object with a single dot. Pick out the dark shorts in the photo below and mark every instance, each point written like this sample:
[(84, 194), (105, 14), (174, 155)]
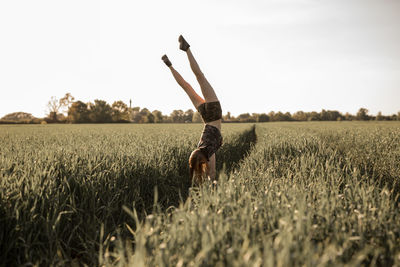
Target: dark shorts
[(210, 111), (210, 140)]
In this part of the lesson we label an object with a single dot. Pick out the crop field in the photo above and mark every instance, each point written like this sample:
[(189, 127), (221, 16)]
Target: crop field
[(288, 194)]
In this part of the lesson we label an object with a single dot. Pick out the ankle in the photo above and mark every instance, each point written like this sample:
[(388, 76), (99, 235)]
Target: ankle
[(166, 61)]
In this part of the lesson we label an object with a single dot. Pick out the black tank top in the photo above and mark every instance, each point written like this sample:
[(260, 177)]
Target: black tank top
[(210, 140)]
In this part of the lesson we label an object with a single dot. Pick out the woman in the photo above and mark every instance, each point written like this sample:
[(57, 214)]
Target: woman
[(202, 159)]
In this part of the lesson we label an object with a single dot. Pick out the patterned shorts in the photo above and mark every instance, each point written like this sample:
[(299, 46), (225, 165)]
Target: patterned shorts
[(210, 111)]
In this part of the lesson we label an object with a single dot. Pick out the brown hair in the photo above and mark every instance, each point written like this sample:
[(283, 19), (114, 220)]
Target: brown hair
[(198, 166)]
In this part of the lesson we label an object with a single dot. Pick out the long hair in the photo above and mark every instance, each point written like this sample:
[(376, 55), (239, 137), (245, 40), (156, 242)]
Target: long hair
[(198, 166)]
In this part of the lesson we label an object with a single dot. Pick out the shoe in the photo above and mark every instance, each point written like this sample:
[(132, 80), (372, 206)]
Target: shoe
[(183, 44), (166, 60)]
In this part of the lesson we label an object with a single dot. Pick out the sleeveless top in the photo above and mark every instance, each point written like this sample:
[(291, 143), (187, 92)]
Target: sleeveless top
[(210, 140)]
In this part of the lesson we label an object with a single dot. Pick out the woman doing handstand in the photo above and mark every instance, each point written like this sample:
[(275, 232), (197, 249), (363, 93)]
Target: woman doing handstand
[(202, 159)]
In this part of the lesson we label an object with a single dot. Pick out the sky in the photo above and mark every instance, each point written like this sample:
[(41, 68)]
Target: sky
[(259, 55)]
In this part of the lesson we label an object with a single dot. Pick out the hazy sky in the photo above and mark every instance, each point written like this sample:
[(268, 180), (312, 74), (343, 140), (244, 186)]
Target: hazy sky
[(280, 55)]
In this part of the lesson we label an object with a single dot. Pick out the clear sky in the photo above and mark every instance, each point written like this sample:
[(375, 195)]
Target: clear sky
[(259, 55)]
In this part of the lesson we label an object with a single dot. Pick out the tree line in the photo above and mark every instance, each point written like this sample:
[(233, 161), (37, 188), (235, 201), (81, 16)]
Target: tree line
[(67, 110)]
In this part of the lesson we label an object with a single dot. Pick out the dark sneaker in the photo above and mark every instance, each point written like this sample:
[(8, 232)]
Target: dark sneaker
[(183, 44), (166, 60)]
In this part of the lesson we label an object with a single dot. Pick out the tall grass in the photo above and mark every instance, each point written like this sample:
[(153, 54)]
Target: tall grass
[(314, 194), (60, 183), (307, 195)]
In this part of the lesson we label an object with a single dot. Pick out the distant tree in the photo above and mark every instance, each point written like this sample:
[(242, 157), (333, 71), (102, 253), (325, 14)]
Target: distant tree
[(100, 112), (299, 116), (146, 116), (379, 116), (144, 111), (61, 117), (133, 113), (271, 115), (279, 116), (324, 115), (334, 115), (177, 116), (58, 106), (66, 102), (398, 116), (362, 114), (136, 116), (257, 117), (254, 116), (120, 112), (158, 117), (197, 117), (78, 112), (167, 119), (288, 116), (188, 116), (53, 107), (263, 118), (18, 116), (245, 117), (227, 117), (150, 118), (348, 117), (330, 115), (313, 116)]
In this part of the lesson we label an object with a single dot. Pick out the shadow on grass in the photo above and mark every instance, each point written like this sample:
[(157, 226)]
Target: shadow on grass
[(230, 155)]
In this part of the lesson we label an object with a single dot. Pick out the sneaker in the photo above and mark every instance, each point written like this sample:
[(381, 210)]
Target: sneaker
[(166, 60), (183, 44)]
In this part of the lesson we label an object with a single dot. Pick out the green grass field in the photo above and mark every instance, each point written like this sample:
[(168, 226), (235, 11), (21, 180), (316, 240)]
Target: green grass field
[(288, 194)]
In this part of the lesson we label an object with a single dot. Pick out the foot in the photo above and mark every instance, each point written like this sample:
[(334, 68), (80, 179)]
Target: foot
[(166, 60), (183, 44)]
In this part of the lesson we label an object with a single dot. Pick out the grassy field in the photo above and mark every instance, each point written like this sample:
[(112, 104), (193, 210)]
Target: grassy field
[(288, 194)]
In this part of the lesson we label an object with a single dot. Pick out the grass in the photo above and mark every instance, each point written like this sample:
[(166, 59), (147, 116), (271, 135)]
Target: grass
[(60, 183), (314, 194)]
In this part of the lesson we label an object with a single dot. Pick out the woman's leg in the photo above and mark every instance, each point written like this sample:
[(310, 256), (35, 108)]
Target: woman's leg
[(194, 97), (211, 172), (206, 89)]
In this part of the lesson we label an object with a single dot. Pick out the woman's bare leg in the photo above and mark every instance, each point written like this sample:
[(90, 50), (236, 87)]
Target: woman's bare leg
[(194, 97), (206, 89), (211, 168)]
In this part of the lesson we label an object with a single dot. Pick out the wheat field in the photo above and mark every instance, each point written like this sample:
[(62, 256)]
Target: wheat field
[(288, 194)]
